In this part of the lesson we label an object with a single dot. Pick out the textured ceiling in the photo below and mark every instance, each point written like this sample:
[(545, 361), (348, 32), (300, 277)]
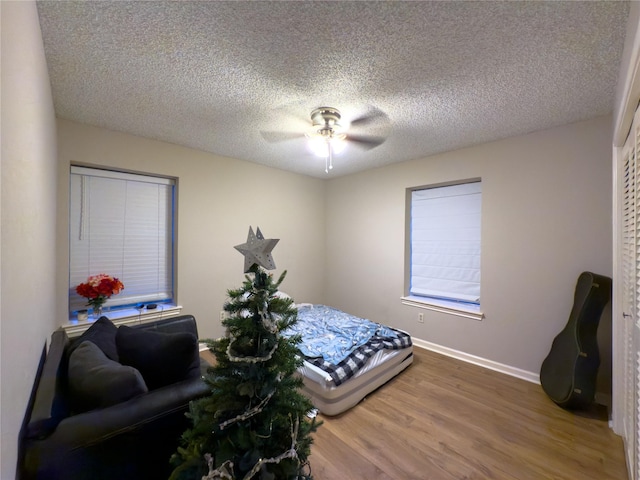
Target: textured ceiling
[(224, 77)]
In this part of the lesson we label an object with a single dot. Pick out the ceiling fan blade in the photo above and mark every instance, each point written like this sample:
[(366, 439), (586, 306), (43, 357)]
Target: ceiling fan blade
[(365, 141), (375, 116), (276, 137)]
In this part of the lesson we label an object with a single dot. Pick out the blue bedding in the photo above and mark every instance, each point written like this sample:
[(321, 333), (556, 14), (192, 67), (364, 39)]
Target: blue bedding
[(340, 343)]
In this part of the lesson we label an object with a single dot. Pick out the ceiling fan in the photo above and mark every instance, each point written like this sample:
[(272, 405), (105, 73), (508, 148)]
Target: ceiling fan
[(327, 135)]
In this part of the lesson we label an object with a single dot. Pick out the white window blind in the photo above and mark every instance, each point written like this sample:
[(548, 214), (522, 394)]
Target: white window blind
[(445, 242), (122, 225)]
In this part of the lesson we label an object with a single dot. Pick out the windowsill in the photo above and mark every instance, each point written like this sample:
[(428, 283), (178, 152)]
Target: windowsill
[(451, 308), (125, 316)]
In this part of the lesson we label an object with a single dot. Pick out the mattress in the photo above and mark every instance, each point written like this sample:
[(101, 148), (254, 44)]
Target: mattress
[(346, 357)]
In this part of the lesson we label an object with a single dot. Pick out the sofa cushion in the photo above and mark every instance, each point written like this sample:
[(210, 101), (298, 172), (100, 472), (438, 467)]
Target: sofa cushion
[(161, 358), (95, 381), (103, 334)]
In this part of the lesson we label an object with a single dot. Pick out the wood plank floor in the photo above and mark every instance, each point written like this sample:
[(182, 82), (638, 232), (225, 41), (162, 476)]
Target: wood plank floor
[(443, 419)]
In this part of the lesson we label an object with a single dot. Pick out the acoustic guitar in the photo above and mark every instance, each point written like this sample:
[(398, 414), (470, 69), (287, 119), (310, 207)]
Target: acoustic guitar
[(568, 373)]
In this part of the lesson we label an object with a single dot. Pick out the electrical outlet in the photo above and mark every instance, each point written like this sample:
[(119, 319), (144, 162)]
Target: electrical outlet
[(421, 318), (223, 314)]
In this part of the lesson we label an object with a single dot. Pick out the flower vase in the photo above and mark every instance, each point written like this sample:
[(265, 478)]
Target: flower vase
[(97, 311)]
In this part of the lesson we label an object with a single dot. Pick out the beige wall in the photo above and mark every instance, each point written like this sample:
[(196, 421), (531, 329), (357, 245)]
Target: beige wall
[(218, 199), (28, 255), (546, 217)]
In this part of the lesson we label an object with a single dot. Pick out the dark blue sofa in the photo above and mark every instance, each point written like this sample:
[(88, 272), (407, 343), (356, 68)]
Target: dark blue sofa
[(133, 439)]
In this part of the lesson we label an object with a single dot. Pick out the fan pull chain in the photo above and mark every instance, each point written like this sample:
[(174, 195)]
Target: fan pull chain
[(328, 163)]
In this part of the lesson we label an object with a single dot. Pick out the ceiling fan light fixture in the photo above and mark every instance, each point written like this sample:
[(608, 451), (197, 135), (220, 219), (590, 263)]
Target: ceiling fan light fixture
[(338, 143), (326, 147), (327, 137), (318, 143)]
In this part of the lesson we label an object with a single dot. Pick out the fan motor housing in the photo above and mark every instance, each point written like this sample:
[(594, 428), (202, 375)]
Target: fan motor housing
[(325, 116)]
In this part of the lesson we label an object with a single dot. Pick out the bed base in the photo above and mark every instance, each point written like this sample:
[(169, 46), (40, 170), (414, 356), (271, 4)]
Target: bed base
[(335, 400)]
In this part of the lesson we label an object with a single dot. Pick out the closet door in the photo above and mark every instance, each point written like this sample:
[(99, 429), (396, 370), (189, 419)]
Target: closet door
[(629, 326)]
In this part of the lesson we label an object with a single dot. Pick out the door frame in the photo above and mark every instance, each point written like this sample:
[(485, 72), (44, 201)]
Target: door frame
[(627, 97)]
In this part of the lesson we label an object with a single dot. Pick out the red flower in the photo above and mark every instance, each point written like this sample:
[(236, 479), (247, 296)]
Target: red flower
[(98, 288)]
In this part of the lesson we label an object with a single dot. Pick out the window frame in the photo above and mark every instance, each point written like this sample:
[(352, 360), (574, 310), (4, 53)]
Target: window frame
[(451, 307), (117, 308)]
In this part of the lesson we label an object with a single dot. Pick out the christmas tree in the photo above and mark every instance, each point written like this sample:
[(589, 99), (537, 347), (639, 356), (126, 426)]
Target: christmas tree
[(254, 424)]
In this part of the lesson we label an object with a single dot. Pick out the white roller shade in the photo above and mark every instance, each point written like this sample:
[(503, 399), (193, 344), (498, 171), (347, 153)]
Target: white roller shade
[(121, 225), (445, 242)]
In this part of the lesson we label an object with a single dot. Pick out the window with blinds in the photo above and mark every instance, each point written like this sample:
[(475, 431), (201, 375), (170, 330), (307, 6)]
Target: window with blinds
[(121, 224), (445, 242)]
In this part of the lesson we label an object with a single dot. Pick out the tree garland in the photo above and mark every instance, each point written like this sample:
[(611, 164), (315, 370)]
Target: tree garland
[(247, 359), (291, 453), (223, 472), (251, 412)]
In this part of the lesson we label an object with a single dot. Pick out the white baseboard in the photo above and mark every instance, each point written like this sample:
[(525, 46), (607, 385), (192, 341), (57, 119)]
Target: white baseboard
[(600, 397), (483, 362)]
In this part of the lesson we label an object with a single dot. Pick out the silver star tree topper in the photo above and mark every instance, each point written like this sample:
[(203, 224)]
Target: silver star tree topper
[(257, 249)]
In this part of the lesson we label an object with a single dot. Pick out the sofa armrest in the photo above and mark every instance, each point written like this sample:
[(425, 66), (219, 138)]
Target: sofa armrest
[(119, 426), (49, 406), (99, 425)]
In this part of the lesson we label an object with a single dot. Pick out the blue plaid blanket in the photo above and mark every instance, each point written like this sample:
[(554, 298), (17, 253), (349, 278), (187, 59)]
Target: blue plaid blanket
[(341, 344)]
